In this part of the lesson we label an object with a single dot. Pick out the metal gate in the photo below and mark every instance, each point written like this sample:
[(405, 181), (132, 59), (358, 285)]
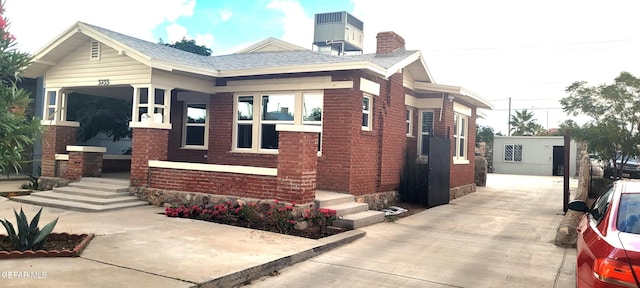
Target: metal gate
[(438, 171)]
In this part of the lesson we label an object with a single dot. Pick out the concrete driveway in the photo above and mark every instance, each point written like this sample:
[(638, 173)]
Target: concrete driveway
[(500, 236)]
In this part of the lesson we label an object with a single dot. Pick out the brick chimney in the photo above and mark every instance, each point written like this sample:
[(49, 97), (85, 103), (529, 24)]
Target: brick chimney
[(388, 42)]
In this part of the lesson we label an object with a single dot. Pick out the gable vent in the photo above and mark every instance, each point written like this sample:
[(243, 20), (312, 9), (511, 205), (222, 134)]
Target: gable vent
[(95, 51)]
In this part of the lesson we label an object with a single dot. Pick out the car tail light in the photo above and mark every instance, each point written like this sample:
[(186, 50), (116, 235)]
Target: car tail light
[(614, 272)]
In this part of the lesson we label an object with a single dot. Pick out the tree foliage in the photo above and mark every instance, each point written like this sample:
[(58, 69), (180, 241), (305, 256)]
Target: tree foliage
[(99, 115), (484, 134), (18, 130), (614, 110), (523, 124), (189, 46)]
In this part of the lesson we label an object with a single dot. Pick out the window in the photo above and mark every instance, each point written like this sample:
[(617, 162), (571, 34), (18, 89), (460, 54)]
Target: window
[(195, 126), (460, 129), (601, 205), (366, 113), (409, 118), (512, 153), (259, 133), (426, 128)]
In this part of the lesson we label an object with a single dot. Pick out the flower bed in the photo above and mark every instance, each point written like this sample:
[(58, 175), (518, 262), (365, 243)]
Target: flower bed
[(57, 245), (272, 216)]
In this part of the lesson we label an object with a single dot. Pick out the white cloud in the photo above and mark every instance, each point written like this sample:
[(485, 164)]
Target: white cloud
[(224, 14), (298, 27), (176, 32), (205, 39), (47, 19)]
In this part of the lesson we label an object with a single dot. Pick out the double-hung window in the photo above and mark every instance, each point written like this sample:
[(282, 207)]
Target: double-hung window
[(195, 126), (367, 103), (460, 128), (258, 134), (409, 118)]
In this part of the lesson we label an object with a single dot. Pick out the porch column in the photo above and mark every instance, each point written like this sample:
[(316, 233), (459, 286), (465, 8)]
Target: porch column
[(58, 133), (150, 125), (297, 162)]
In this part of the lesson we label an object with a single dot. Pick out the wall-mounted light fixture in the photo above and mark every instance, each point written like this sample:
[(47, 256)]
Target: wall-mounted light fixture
[(451, 97)]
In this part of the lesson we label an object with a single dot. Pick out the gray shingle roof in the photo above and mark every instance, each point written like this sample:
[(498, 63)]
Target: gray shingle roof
[(245, 61)]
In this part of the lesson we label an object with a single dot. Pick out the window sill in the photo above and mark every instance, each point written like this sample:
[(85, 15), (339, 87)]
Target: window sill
[(460, 162), (194, 148)]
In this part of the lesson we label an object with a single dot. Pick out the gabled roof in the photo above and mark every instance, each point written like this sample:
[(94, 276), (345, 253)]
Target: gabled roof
[(456, 91), (290, 59), (270, 45)]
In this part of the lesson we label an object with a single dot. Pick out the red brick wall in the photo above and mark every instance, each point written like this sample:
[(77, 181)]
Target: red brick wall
[(54, 141), (297, 163), (394, 134), (241, 185), (338, 126), (176, 153), (220, 133), (81, 164), (147, 144)]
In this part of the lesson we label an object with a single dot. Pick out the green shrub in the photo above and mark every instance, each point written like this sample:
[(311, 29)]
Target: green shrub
[(29, 235)]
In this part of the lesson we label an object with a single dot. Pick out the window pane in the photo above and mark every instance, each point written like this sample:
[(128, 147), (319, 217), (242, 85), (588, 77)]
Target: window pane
[(455, 124), (52, 97), (245, 132), (196, 113), (463, 125), (159, 97), (365, 104), (508, 152), (427, 122), (517, 153), (142, 111), (365, 120), (144, 95), (52, 113), (278, 107), (269, 137), (461, 148), (245, 108), (312, 107), (195, 135), (408, 115), (408, 128)]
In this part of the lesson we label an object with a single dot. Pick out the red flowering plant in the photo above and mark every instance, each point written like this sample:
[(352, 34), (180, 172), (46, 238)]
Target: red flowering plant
[(321, 217), (281, 215)]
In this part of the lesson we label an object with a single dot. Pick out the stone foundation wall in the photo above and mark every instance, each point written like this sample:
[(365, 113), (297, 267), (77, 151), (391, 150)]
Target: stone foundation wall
[(457, 192), (48, 183), (378, 201), (172, 198)]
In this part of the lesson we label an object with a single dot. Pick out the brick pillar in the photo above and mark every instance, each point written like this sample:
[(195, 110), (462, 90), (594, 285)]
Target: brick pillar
[(297, 163), (84, 161), (54, 141), (147, 144)]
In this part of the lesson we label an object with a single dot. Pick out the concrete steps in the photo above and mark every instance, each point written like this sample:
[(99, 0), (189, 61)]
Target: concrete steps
[(91, 194), (350, 214)]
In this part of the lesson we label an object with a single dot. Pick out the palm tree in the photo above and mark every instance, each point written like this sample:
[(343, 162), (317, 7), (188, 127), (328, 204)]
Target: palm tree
[(523, 124)]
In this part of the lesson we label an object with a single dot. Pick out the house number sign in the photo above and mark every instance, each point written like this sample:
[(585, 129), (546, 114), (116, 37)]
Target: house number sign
[(103, 82)]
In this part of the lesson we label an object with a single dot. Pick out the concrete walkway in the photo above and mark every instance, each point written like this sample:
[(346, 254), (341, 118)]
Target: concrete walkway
[(500, 236)]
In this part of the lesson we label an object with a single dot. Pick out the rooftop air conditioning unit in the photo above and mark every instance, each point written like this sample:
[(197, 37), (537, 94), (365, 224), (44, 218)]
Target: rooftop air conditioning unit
[(338, 32)]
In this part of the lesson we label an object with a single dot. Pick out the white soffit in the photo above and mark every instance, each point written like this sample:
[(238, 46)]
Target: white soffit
[(369, 87)]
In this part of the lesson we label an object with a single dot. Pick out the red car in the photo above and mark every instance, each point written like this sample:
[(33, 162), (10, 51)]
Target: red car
[(608, 244)]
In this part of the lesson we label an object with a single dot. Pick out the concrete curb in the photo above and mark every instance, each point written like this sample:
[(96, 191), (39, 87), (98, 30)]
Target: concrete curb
[(259, 271)]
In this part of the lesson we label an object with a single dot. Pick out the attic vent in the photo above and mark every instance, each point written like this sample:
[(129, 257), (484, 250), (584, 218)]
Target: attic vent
[(95, 51)]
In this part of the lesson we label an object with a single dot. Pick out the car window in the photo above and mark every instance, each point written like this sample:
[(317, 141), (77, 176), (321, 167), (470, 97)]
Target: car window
[(629, 214), (600, 206)]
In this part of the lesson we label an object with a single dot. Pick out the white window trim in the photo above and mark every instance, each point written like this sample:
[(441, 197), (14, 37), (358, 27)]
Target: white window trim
[(368, 113), (456, 158), (152, 122), (256, 122), (185, 124), (513, 151), (410, 121)]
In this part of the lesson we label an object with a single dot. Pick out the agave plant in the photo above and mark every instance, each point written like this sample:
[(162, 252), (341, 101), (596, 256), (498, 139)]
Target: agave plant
[(29, 236)]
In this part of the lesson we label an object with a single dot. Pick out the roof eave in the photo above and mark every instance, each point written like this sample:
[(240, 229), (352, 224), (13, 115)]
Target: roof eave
[(304, 68), (464, 94)]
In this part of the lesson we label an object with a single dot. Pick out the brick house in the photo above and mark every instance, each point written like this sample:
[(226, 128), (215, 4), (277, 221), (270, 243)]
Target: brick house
[(272, 121)]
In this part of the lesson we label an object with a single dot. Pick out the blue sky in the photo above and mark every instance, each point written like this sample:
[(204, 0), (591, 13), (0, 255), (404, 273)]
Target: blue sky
[(526, 50)]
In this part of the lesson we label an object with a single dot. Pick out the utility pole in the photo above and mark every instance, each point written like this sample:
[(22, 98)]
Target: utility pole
[(509, 119)]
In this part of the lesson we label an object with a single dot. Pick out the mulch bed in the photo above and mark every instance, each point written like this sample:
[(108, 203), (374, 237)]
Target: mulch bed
[(412, 208), (57, 245)]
